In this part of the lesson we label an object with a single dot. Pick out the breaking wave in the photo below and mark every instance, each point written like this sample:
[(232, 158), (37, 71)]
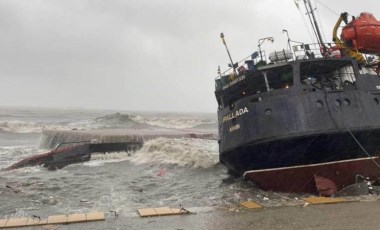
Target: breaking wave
[(115, 120), (114, 156), (172, 121), (21, 127), (34, 127), (184, 152)]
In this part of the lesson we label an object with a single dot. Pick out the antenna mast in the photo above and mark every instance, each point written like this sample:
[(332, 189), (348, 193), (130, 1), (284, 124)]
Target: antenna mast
[(229, 55), (313, 21)]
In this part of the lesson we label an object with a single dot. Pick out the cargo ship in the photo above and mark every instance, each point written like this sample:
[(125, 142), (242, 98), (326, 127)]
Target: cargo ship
[(305, 120)]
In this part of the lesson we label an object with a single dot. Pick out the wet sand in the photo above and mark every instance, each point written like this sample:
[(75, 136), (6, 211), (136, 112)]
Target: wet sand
[(350, 215)]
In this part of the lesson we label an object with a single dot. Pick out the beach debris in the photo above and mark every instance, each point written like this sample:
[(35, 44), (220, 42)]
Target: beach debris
[(161, 172), (162, 211), (51, 221), (250, 205), (325, 186), (115, 214), (324, 200), (363, 186), (36, 217), (356, 189), (182, 209), (15, 188)]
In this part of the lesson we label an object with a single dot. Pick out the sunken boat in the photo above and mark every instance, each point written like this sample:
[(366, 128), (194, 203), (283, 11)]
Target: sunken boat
[(305, 120)]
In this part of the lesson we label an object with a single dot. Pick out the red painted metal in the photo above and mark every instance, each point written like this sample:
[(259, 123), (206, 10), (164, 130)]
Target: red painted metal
[(56, 158), (363, 34), (325, 186), (301, 179)]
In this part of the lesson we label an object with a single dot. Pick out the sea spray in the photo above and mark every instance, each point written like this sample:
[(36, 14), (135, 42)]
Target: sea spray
[(173, 122), (21, 126), (183, 152)]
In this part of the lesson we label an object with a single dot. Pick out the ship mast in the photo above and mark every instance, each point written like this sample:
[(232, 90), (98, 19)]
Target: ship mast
[(314, 24)]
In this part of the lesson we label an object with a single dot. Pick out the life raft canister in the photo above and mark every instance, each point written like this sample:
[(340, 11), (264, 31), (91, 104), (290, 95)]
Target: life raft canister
[(363, 34)]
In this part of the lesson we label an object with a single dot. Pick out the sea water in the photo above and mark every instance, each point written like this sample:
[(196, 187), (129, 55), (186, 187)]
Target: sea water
[(164, 172)]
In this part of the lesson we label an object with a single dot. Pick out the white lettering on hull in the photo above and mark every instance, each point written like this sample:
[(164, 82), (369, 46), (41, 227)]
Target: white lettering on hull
[(235, 114), (234, 128)]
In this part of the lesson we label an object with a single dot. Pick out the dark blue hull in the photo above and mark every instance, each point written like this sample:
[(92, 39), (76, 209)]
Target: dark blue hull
[(312, 149), (299, 123)]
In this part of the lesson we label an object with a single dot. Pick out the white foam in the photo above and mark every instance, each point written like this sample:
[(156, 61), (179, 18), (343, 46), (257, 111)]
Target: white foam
[(21, 127), (100, 159), (183, 152), (170, 122), (16, 126)]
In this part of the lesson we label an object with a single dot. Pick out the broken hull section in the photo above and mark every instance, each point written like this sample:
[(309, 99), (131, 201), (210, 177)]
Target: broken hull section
[(76, 146), (57, 158), (330, 177)]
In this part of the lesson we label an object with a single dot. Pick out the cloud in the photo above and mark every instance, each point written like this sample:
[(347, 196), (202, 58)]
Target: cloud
[(137, 54)]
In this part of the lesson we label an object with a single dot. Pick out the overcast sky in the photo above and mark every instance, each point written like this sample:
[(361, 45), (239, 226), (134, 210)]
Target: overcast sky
[(141, 55)]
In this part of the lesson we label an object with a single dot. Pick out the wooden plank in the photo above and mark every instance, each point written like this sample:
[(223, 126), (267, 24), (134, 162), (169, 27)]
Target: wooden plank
[(145, 212), (3, 222), (76, 218), (95, 216), (177, 211), (59, 219), (163, 211), (35, 222), (250, 204), (324, 200), (16, 222)]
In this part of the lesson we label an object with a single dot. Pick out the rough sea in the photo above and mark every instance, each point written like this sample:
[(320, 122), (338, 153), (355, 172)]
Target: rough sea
[(164, 172)]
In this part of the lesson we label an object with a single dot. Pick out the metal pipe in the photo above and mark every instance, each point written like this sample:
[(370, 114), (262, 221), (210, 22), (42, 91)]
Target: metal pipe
[(229, 55)]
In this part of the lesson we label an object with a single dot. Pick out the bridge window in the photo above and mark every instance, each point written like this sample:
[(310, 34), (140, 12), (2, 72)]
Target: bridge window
[(279, 77), (328, 74)]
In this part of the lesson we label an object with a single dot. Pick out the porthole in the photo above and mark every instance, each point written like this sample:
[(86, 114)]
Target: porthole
[(347, 102), (338, 102), (319, 103), (268, 112)]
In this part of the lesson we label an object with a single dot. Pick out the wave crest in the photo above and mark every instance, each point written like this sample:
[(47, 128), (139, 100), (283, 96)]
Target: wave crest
[(21, 127), (172, 121), (183, 152)]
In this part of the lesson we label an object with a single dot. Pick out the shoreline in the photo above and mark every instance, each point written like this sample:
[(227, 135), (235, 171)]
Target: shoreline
[(361, 214)]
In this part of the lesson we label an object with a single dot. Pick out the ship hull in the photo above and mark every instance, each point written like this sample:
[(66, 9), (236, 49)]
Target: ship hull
[(300, 125), (324, 178), (302, 150)]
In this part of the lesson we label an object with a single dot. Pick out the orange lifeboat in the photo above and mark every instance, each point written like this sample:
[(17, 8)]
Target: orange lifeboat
[(363, 34)]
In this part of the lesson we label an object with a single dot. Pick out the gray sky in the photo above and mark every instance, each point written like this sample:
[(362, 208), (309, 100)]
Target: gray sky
[(150, 55)]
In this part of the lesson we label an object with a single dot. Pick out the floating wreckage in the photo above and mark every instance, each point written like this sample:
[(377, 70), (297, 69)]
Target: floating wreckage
[(75, 146)]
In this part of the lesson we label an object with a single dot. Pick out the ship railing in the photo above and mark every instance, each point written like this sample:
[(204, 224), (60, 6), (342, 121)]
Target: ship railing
[(300, 51), (239, 69), (314, 50)]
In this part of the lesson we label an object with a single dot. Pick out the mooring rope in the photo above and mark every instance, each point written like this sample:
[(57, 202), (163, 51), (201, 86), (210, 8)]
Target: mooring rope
[(373, 160)]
